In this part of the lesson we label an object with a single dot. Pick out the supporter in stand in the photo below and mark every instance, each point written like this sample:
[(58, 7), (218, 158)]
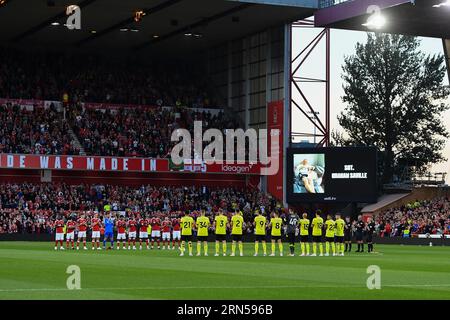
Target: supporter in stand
[(32, 208), (418, 217)]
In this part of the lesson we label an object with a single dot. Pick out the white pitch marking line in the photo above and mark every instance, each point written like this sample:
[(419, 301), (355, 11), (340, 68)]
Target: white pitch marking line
[(249, 287)]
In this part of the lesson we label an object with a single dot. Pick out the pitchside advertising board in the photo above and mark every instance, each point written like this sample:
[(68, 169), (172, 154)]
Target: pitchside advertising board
[(331, 174)]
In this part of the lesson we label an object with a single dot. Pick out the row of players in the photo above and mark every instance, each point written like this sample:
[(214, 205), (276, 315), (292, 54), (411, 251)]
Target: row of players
[(336, 232), (124, 228)]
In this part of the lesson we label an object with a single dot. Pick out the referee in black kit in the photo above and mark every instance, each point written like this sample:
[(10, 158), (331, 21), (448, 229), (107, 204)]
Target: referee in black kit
[(370, 228), (360, 226), (348, 234)]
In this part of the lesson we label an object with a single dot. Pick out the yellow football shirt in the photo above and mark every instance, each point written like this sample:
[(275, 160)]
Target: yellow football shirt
[(276, 226), (202, 223), (237, 222), (329, 227), (317, 224), (260, 225), (304, 227), (187, 223), (221, 224), (340, 223)]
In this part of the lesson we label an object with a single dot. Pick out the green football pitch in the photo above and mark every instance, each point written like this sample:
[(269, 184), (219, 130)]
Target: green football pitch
[(33, 270)]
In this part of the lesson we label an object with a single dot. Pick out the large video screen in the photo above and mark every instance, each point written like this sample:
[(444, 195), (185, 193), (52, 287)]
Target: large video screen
[(332, 174)]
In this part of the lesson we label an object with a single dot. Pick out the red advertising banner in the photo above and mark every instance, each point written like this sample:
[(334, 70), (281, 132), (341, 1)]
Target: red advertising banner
[(118, 164), (275, 122)]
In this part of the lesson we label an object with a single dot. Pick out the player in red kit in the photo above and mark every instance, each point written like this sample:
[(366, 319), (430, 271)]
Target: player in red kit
[(59, 233), (176, 232), (132, 228), (156, 231), (121, 235), (166, 226), (82, 228), (70, 233), (95, 226), (143, 233)]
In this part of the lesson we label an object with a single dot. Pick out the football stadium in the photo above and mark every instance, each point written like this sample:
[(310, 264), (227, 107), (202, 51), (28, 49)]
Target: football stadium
[(224, 150)]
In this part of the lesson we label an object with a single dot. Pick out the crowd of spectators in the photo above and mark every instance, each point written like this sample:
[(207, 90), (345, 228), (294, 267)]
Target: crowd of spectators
[(34, 132), (32, 208), (48, 76), (419, 217), (135, 132)]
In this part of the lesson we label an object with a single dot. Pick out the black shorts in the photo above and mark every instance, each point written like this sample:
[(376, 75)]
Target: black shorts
[(221, 237), (348, 237), (186, 238), (260, 237), (236, 237), (291, 237), (202, 238), (339, 239), (304, 238), (276, 238), (329, 239), (317, 238), (359, 236), (369, 238)]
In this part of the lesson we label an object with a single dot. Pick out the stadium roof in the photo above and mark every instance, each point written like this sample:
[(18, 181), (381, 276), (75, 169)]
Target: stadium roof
[(404, 17), (29, 23)]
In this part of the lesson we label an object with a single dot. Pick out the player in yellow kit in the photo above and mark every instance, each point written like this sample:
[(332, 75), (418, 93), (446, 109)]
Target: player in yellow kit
[(317, 225), (237, 224), (202, 224), (304, 234), (260, 224), (187, 223), (276, 223), (220, 226), (329, 236), (339, 235)]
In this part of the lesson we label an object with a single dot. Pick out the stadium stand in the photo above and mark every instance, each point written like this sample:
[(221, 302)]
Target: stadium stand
[(90, 78), (418, 217), (37, 132)]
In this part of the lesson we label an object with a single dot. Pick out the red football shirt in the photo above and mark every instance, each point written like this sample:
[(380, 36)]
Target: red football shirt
[(132, 225), (95, 224), (166, 226), (144, 225), (59, 224), (70, 226), (156, 224), (82, 224), (121, 226), (176, 225)]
